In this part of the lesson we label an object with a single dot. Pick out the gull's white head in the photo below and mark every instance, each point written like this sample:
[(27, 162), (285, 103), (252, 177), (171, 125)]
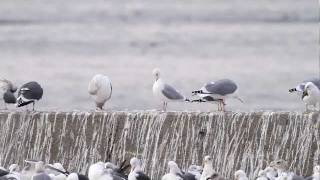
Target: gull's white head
[(135, 163), (173, 167), (240, 174), (156, 73), (310, 88), (96, 170), (316, 169), (207, 160), (280, 164)]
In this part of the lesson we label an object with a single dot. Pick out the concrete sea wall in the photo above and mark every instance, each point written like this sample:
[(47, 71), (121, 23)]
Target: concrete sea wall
[(240, 140)]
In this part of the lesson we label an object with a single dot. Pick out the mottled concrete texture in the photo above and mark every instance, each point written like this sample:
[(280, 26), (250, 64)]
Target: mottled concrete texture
[(245, 141)]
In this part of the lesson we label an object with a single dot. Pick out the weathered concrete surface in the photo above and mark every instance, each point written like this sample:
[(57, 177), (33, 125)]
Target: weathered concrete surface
[(235, 140)]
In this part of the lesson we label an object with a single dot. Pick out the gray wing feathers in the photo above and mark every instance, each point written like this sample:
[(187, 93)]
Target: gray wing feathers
[(41, 176), (171, 93), (221, 87)]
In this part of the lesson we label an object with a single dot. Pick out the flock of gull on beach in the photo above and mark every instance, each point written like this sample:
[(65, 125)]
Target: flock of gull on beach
[(38, 170), (100, 88)]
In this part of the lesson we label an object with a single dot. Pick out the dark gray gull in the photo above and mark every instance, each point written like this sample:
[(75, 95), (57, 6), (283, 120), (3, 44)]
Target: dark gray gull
[(100, 88), (164, 92), (218, 91), (29, 93), (300, 87), (136, 172), (7, 90)]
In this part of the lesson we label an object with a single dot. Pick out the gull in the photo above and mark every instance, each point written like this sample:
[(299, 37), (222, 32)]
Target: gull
[(118, 171), (282, 168), (136, 172), (218, 91), (174, 172), (100, 88), (311, 95), (29, 93), (207, 168), (240, 175), (98, 172), (165, 92), (300, 87), (7, 90)]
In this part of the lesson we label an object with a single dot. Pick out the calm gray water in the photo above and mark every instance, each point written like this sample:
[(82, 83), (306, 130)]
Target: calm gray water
[(266, 46)]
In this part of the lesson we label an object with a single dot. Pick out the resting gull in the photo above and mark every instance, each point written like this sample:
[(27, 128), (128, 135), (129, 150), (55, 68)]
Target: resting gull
[(29, 93), (311, 95), (282, 168), (240, 175), (136, 172), (100, 88), (207, 168), (218, 91), (164, 92), (7, 90), (174, 172)]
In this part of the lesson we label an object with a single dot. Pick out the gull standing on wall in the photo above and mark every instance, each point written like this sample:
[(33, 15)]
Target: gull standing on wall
[(300, 87), (7, 90), (136, 172), (311, 95), (29, 93), (164, 92), (100, 88), (218, 91)]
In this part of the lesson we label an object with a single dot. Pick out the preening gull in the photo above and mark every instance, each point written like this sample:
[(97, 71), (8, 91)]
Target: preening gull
[(218, 91), (164, 92), (311, 95), (118, 171), (300, 87), (7, 90), (100, 88), (136, 172), (174, 172), (240, 175), (29, 93)]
